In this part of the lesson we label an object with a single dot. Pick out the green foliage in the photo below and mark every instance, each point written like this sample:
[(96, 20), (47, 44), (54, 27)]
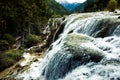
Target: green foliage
[(100, 5), (18, 15), (6, 40), (20, 18), (14, 54), (118, 3), (9, 58), (9, 38), (90, 5), (4, 45), (5, 63), (31, 40), (95, 7), (55, 8), (112, 5)]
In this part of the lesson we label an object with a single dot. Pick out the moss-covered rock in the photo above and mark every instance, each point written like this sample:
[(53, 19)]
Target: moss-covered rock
[(82, 46), (77, 50)]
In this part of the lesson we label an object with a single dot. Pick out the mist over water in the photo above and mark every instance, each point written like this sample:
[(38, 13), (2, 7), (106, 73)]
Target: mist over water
[(71, 1)]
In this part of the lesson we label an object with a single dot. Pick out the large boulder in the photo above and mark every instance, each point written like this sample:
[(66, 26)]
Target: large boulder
[(76, 50)]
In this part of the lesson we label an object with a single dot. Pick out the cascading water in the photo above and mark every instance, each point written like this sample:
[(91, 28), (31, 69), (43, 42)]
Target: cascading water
[(88, 49)]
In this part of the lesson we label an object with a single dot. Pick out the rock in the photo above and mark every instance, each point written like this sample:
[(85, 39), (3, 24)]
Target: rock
[(115, 11), (118, 17), (74, 52), (111, 61), (59, 29), (35, 60), (82, 46)]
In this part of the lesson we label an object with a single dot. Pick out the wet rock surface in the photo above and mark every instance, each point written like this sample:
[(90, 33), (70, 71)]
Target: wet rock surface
[(73, 53)]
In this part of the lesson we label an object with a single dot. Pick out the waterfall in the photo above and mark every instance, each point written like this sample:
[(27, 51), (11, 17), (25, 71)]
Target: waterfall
[(87, 49)]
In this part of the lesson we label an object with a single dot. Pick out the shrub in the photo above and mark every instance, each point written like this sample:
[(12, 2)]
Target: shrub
[(112, 5), (8, 38), (31, 40), (9, 58), (5, 63), (4, 45), (14, 54)]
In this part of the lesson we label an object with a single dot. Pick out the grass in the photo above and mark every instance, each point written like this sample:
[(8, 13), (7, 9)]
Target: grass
[(9, 57), (7, 74)]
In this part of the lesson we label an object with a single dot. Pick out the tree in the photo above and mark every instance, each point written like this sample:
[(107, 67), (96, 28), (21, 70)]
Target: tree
[(20, 16), (95, 7), (112, 5)]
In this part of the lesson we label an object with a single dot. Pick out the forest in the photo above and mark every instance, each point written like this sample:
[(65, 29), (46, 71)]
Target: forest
[(21, 25), (100, 5), (97, 5)]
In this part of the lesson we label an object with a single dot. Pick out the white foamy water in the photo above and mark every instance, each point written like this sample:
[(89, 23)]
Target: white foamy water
[(96, 72), (104, 29)]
